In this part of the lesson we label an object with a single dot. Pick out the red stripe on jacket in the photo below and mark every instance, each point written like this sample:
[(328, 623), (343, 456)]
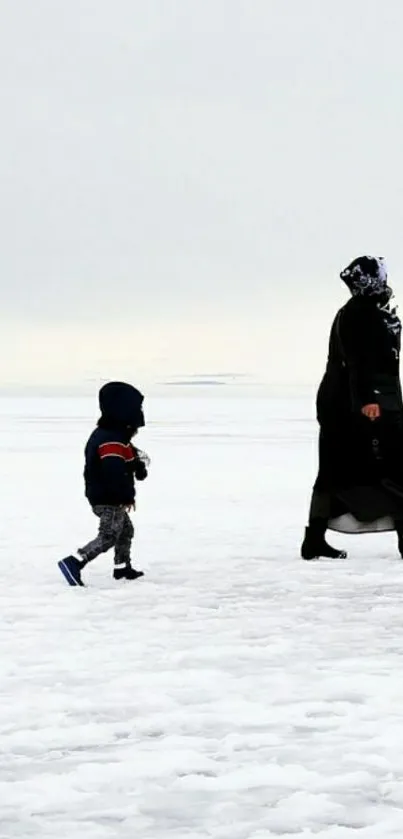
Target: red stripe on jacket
[(122, 450)]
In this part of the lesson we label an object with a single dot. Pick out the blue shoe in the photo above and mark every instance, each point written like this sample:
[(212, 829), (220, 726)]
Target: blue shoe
[(71, 570)]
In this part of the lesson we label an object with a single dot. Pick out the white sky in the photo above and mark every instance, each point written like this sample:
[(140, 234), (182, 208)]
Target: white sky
[(182, 181)]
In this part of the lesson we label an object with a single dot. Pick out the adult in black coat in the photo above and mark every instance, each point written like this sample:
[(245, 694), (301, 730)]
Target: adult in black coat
[(359, 486)]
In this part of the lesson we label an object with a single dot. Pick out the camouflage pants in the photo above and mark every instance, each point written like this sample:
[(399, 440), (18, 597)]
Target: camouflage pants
[(115, 531)]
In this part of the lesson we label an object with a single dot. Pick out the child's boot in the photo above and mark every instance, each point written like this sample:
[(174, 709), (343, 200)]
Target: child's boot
[(126, 572), (71, 567)]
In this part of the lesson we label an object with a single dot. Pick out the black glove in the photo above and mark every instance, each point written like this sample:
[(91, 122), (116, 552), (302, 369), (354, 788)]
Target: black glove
[(140, 470), (141, 463)]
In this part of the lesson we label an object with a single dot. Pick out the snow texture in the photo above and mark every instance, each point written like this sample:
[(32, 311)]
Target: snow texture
[(236, 692)]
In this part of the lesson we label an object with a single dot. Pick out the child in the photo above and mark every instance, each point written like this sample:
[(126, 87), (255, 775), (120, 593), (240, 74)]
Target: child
[(111, 465)]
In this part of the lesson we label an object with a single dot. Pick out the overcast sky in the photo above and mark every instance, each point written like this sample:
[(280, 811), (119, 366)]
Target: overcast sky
[(183, 180)]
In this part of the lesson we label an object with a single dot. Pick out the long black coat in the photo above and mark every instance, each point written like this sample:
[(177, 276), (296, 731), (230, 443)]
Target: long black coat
[(359, 486)]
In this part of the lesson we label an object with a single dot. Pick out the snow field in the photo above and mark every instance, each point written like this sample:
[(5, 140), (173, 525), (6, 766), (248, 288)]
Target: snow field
[(234, 693)]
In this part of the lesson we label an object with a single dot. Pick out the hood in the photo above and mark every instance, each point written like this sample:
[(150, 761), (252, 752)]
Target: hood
[(121, 405)]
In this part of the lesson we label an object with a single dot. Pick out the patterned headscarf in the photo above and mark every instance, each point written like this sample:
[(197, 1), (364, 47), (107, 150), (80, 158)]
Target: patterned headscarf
[(366, 275)]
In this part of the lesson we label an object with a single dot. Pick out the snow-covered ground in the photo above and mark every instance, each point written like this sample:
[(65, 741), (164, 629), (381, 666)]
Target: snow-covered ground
[(236, 692)]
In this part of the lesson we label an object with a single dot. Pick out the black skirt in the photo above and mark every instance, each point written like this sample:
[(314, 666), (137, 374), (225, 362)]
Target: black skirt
[(359, 486)]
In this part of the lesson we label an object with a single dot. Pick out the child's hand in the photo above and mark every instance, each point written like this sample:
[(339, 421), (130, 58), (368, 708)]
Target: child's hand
[(140, 470), (141, 464), (143, 457)]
